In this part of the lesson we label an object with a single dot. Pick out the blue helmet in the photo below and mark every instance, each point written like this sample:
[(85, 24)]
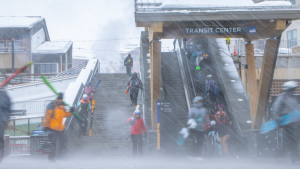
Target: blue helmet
[(137, 112)]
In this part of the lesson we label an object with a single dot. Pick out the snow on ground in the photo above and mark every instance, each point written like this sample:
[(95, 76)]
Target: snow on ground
[(18, 21), (218, 3)]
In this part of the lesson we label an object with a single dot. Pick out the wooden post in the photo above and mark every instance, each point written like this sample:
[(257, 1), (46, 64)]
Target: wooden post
[(251, 78), (155, 72), (266, 74)]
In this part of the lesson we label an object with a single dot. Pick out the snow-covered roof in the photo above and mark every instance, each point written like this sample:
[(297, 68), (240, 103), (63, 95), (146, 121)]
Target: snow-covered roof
[(22, 22), (52, 47)]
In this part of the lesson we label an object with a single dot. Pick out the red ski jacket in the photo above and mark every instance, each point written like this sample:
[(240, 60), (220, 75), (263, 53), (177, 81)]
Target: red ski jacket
[(138, 126)]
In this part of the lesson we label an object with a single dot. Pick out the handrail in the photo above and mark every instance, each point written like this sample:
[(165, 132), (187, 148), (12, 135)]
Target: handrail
[(182, 72)]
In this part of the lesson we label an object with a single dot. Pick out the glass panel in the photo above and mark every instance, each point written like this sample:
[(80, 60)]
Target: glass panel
[(42, 69), (289, 35), (294, 34), (48, 68), (53, 68)]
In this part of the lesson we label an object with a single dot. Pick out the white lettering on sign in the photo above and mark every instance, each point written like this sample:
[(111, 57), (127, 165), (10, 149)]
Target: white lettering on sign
[(217, 30)]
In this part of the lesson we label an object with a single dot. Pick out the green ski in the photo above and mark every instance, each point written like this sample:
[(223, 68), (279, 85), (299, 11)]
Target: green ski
[(52, 88)]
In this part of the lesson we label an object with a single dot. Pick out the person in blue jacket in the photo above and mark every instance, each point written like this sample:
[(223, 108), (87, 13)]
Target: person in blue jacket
[(212, 91)]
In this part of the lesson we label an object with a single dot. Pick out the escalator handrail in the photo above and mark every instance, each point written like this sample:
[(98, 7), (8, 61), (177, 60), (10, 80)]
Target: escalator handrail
[(182, 72)]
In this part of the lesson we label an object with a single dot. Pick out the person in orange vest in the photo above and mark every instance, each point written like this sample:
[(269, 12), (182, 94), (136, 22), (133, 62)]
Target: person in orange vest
[(128, 62), (53, 124), (223, 128)]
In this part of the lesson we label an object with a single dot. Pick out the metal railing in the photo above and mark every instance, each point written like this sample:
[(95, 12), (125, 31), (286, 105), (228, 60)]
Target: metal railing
[(28, 78), (286, 47), (155, 7), (31, 107), (23, 125)]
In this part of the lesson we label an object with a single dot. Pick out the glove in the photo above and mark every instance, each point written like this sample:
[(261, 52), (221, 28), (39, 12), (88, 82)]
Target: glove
[(72, 109)]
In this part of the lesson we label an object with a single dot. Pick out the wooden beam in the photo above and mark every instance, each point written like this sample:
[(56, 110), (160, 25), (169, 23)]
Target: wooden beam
[(155, 31), (251, 78), (280, 24), (155, 74), (264, 82)]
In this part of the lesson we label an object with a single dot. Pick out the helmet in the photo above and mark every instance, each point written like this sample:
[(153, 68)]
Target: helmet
[(199, 46), (290, 85), (88, 84), (60, 96), (137, 112), (134, 74), (129, 55), (197, 101), (85, 96), (198, 68)]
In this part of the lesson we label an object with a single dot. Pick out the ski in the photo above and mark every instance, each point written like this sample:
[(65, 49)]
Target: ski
[(15, 74), (91, 124), (97, 84), (52, 88)]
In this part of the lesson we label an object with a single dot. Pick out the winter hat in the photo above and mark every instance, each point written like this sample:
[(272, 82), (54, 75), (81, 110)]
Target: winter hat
[(60, 96)]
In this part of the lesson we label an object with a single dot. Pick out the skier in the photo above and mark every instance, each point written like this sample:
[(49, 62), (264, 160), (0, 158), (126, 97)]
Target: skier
[(134, 84), (137, 127), (223, 129), (53, 124), (83, 107), (212, 91), (89, 90), (199, 114), (196, 58), (128, 62), (287, 103), (4, 117)]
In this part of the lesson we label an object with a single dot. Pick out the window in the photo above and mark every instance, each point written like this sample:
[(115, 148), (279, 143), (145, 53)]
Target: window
[(292, 1), (291, 38), (45, 68)]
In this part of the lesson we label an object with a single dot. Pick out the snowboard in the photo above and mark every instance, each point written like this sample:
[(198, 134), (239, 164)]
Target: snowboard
[(284, 120)]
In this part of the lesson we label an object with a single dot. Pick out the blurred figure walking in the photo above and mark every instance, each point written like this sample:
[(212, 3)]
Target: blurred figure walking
[(287, 103), (4, 117), (134, 84), (198, 113), (53, 124), (128, 62), (137, 127), (83, 107)]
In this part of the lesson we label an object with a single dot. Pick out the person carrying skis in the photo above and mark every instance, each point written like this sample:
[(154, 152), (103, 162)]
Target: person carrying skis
[(4, 117), (89, 90), (83, 107), (199, 114), (134, 84), (287, 103), (137, 127), (128, 62), (223, 128), (53, 124)]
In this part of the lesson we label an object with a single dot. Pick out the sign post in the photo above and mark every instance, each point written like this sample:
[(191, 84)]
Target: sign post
[(228, 43)]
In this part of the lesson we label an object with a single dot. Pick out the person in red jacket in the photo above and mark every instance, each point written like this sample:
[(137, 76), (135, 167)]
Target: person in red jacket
[(137, 127)]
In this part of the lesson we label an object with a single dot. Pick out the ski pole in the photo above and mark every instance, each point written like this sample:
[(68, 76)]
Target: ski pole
[(52, 88)]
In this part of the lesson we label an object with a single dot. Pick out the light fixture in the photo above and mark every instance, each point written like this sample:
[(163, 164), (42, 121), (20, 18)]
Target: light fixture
[(248, 121), (240, 100), (226, 64), (232, 80)]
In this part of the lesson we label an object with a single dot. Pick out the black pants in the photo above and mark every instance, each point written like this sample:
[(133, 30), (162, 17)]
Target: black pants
[(84, 124), (134, 92), (198, 139), (137, 144), (58, 140), (128, 70), (292, 144), (2, 132)]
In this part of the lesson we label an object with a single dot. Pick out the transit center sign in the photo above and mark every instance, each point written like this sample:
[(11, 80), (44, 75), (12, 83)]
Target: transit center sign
[(219, 30)]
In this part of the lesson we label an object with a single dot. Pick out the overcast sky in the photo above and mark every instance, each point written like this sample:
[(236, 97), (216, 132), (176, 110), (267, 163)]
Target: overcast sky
[(82, 20)]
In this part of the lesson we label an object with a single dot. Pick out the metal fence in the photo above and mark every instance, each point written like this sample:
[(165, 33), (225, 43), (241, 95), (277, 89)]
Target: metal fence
[(31, 107), (286, 47), (23, 125)]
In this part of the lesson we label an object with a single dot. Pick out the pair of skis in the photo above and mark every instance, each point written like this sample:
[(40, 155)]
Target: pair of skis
[(93, 108)]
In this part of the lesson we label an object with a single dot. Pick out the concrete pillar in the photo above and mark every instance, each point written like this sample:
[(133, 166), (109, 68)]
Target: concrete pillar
[(251, 78), (265, 80), (155, 71)]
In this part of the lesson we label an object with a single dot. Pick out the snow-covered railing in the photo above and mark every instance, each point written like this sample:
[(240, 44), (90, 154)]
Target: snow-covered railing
[(75, 89), (156, 7)]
